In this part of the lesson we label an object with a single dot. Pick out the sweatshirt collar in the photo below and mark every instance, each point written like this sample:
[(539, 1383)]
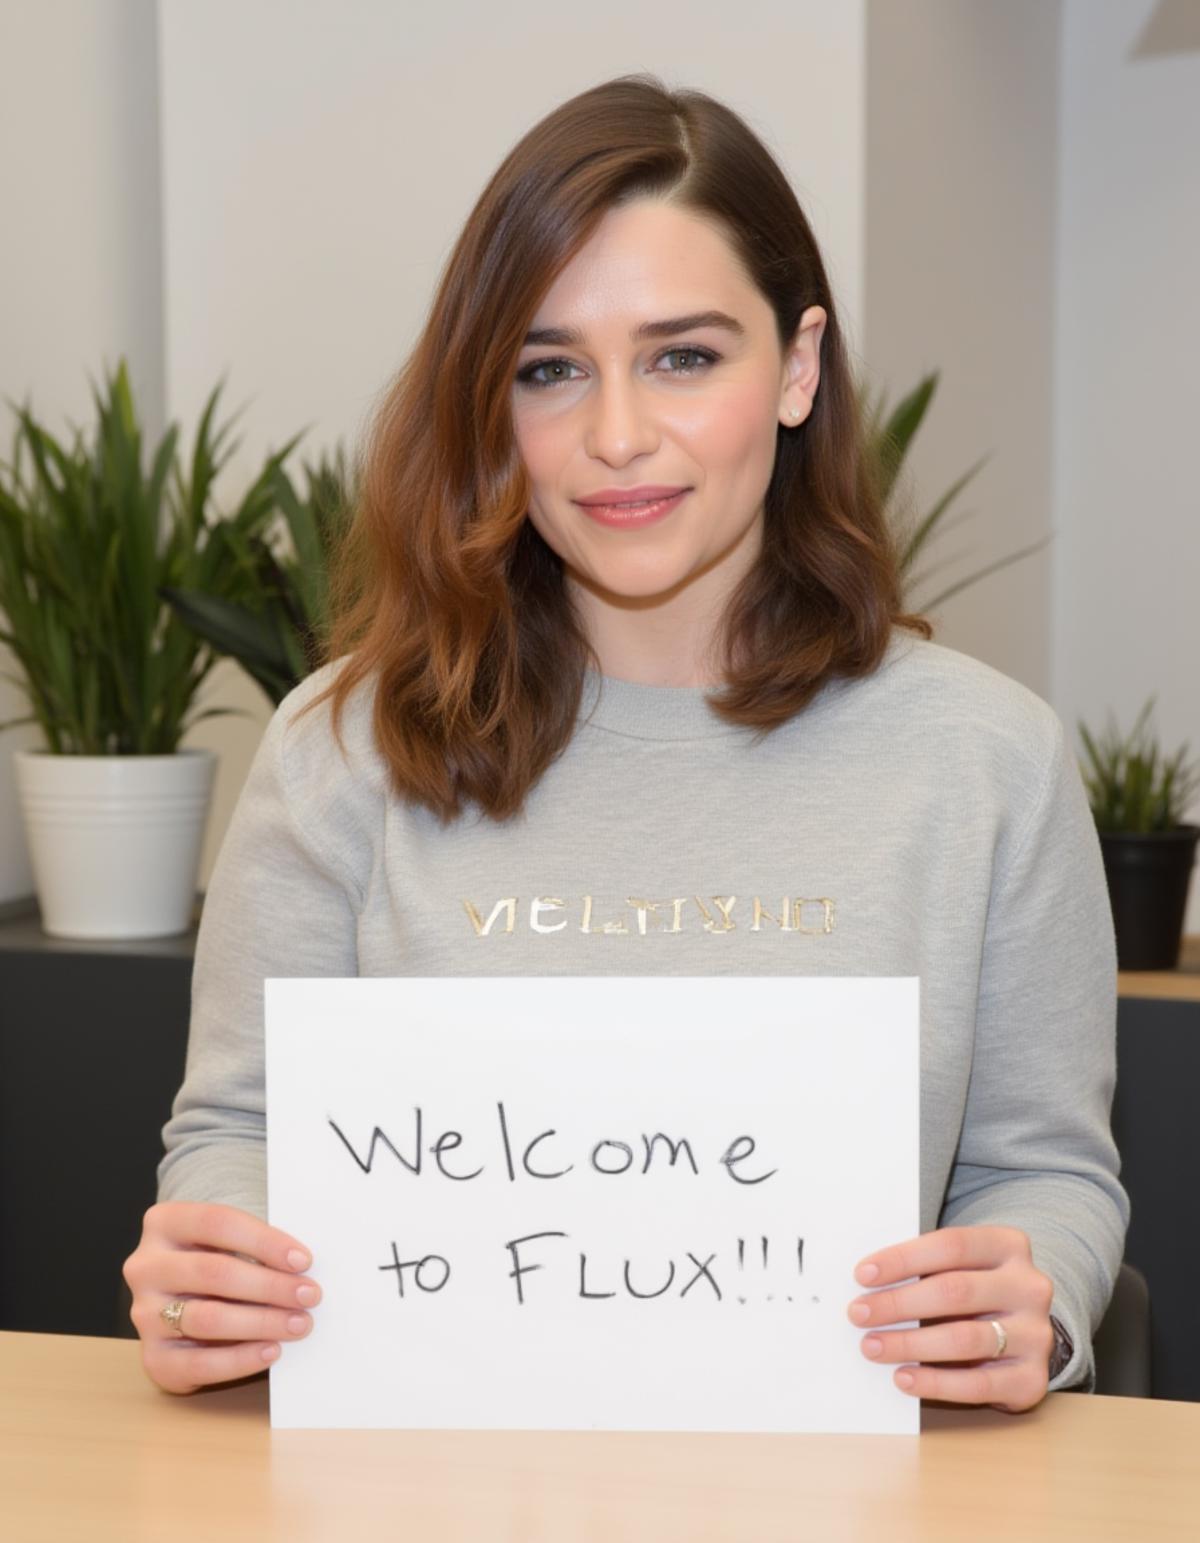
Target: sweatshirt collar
[(652, 712), (683, 712)]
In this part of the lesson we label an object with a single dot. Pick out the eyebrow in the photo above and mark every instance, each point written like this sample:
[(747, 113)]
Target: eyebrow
[(564, 337)]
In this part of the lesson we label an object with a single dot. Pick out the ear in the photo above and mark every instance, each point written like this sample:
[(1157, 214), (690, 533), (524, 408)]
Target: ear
[(802, 368)]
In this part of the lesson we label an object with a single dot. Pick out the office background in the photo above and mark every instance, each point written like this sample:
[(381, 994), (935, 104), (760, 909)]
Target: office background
[(1005, 192)]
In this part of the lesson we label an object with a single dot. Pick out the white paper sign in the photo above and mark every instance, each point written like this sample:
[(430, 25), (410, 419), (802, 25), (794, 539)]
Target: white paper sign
[(591, 1202)]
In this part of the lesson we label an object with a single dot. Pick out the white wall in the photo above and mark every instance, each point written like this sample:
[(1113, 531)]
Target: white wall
[(960, 278), (79, 258), (1126, 595)]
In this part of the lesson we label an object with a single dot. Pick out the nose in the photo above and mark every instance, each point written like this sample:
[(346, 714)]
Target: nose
[(620, 421)]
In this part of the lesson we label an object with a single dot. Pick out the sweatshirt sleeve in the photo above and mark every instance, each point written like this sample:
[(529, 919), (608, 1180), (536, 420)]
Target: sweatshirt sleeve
[(1036, 1149), (281, 901)]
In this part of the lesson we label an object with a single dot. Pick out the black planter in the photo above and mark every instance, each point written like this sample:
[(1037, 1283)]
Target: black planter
[(1148, 876)]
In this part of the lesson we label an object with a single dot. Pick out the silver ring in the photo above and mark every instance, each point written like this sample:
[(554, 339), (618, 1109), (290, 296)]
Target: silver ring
[(1001, 1338), (171, 1314)]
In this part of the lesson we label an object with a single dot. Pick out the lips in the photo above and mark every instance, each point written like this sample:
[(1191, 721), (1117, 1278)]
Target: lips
[(630, 515), (647, 493)]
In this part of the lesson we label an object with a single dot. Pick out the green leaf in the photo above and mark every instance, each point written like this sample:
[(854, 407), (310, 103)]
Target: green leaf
[(927, 526), (893, 442), (1003, 562), (1131, 784), (231, 629)]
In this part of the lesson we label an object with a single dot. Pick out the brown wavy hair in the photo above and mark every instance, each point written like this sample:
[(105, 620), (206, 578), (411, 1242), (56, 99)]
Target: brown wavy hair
[(443, 589)]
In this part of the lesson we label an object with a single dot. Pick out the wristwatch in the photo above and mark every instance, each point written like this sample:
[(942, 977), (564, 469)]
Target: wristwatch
[(1063, 1348)]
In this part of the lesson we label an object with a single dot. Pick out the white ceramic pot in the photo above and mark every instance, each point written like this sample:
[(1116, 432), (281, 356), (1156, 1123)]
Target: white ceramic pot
[(115, 840)]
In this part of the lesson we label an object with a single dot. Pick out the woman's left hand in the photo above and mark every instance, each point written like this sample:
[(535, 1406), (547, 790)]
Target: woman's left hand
[(970, 1275)]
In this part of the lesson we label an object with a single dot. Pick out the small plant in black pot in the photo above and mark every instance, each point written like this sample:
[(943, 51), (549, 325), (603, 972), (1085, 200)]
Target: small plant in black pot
[(1138, 798)]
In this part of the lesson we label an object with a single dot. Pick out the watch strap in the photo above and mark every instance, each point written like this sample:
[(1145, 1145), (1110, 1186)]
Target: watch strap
[(1063, 1348)]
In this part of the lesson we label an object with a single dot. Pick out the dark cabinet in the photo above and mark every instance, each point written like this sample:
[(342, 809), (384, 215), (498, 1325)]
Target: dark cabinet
[(1154, 1122), (93, 1038)]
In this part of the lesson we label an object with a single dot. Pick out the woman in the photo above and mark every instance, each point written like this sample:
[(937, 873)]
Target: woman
[(621, 683)]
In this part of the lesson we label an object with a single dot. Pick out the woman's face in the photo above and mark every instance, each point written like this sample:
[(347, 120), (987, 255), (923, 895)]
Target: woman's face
[(694, 406)]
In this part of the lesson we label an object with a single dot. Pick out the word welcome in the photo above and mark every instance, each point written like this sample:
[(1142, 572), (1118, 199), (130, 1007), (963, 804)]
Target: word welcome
[(608, 1155)]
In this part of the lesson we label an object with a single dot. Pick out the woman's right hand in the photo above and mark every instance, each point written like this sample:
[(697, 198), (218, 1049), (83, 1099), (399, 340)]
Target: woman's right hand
[(237, 1311)]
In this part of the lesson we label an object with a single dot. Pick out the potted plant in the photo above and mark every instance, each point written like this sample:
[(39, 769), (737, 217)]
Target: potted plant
[(1138, 798), (888, 443), (114, 810)]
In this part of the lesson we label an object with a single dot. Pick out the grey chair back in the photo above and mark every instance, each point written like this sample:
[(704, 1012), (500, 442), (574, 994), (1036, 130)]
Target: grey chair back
[(1122, 1341)]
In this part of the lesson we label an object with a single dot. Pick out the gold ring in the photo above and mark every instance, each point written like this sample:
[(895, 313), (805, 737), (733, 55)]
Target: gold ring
[(171, 1314)]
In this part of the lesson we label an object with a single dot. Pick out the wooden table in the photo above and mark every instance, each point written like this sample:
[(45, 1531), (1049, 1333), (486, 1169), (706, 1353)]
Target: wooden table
[(1182, 984), (90, 1448)]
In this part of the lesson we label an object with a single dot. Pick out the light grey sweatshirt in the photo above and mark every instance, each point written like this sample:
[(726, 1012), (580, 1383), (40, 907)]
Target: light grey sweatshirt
[(927, 820)]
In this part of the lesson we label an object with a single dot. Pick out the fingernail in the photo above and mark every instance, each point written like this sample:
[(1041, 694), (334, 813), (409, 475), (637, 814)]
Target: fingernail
[(905, 1379), (298, 1259), (298, 1323), (866, 1273), (269, 1352), (873, 1345), (308, 1296), (860, 1312)]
